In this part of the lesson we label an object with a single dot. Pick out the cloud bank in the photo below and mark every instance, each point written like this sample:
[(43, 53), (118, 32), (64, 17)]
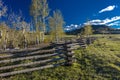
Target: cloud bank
[(110, 22), (117, 23), (109, 8)]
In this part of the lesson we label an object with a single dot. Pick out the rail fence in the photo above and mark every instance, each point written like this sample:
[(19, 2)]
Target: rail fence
[(47, 56)]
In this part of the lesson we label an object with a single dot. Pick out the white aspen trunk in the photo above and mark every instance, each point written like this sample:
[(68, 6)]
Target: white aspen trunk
[(44, 29), (37, 38)]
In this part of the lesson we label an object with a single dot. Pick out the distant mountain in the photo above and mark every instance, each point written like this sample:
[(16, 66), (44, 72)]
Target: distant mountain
[(101, 28), (96, 29)]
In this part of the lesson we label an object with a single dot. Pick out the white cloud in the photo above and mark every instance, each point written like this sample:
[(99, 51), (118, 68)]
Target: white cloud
[(112, 19), (106, 21), (109, 8), (72, 27), (76, 26), (117, 23), (97, 20)]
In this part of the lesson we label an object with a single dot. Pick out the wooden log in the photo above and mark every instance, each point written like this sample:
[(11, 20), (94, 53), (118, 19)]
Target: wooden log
[(81, 43), (26, 54), (29, 70), (73, 48), (72, 44), (62, 44), (31, 63), (69, 59), (30, 57), (59, 48), (25, 50), (70, 54)]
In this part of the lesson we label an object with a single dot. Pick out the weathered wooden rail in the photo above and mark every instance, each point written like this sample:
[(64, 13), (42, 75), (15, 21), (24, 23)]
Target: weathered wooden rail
[(47, 56)]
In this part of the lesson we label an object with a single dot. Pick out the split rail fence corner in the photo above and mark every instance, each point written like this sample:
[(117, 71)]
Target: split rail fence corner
[(27, 60)]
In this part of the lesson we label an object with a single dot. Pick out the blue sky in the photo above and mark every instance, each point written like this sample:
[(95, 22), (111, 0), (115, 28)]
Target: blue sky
[(76, 11)]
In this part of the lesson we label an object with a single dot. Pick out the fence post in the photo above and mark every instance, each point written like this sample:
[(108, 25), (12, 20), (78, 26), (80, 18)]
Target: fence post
[(88, 41), (69, 55)]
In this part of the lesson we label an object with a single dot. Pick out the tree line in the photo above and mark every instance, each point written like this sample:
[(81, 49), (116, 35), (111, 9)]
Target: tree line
[(16, 32)]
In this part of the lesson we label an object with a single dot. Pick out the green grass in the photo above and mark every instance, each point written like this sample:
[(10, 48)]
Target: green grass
[(99, 61), (106, 35)]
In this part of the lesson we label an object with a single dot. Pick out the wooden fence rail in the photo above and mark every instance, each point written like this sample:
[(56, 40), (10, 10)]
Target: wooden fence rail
[(26, 54), (30, 57), (25, 50), (31, 63), (29, 70)]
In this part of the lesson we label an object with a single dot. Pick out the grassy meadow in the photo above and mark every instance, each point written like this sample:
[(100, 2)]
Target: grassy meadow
[(99, 61)]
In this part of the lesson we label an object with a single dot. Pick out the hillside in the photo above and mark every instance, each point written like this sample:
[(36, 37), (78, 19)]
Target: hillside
[(96, 29), (99, 61)]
